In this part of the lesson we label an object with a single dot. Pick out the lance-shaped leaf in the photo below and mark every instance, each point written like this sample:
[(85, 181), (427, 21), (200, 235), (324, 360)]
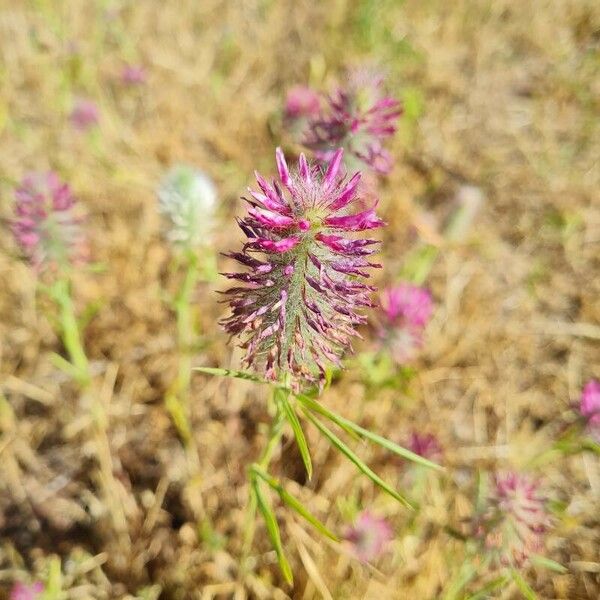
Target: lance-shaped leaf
[(282, 396), (237, 375), (523, 586), (273, 531), (353, 457), (294, 503), (346, 424)]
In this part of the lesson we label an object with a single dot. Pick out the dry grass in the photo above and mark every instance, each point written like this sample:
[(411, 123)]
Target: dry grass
[(510, 95)]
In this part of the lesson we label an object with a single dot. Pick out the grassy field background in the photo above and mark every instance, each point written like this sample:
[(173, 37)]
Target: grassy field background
[(502, 95)]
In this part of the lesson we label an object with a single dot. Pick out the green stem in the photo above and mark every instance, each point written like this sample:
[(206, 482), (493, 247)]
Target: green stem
[(70, 334), (275, 433)]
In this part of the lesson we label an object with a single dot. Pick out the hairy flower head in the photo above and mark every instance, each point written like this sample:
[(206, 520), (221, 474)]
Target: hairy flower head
[(297, 308), (45, 225), (302, 102), (589, 407), (187, 198), (517, 519), (368, 536), (358, 117), (405, 311)]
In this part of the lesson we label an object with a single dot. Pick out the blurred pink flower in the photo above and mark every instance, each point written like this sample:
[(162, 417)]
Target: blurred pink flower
[(405, 311), (358, 117), (589, 407), (21, 591), (133, 75), (302, 102), (85, 114), (45, 226), (517, 520), (368, 537), (425, 445)]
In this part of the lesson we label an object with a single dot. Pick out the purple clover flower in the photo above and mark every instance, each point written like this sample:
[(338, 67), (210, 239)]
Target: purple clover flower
[(22, 591), (297, 309), (368, 537), (405, 311), (358, 118), (517, 520), (133, 75), (425, 445), (589, 407), (85, 114), (45, 226)]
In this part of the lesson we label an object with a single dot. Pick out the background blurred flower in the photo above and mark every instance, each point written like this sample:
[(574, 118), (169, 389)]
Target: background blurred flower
[(358, 117), (425, 445), (368, 536), (45, 225), (299, 308), (517, 520), (302, 102), (188, 198), (85, 114), (405, 311), (589, 407), (133, 75), (22, 591)]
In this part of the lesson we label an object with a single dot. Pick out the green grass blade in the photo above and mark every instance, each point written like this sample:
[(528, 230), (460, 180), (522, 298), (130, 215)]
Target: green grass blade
[(273, 531), (353, 457), (523, 586), (547, 563), (346, 424), (294, 503), (492, 586), (283, 397), (229, 373)]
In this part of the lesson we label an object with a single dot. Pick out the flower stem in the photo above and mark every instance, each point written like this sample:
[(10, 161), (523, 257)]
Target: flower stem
[(69, 326), (275, 432)]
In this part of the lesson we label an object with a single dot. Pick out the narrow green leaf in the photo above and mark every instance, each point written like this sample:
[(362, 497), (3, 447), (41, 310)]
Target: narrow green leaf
[(492, 586), (592, 446), (346, 424), (283, 397), (273, 531), (547, 563), (465, 574), (294, 503), (229, 373), (523, 586), (339, 444)]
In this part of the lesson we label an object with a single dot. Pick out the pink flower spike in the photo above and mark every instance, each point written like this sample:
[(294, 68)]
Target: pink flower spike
[(589, 407), (21, 591), (282, 167), (358, 222), (280, 246), (270, 219), (333, 168), (368, 537), (347, 194), (298, 315)]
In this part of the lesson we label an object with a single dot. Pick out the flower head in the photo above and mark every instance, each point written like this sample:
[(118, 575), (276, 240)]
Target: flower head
[(589, 407), (133, 75), (45, 226), (517, 519), (405, 311), (187, 197), (425, 445), (21, 591), (368, 536), (85, 114), (358, 118), (298, 307)]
